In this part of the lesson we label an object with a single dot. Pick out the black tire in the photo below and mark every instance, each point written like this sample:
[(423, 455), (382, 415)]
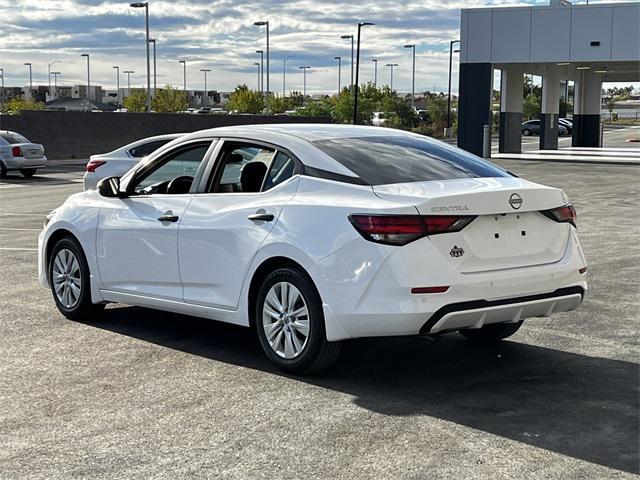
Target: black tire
[(3, 170), (526, 132), (28, 172), (318, 353), (491, 333), (84, 309)]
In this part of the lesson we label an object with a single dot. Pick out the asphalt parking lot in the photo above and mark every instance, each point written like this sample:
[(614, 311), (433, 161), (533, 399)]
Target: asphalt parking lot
[(144, 394)]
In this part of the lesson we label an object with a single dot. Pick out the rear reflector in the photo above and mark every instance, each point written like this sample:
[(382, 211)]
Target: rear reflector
[(565, 213), (93, 164), (16, 152), (403, 229), (583, 270), (418, 290)]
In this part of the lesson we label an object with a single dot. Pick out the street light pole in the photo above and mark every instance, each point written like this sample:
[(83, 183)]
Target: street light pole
[(128, 72), (184, 80), (304, 90), (153, 40), (451, 43), (339, 73), (117, 68), (261, 86), (266, 24), (55, 82), (375, 72), (357, 87), (345, 37), (413, 75), (49, 73), (145, 5), (257, 64), (2, 92), (88, 77), (205, 94), (392, 65), (284, 76), (30, 81)]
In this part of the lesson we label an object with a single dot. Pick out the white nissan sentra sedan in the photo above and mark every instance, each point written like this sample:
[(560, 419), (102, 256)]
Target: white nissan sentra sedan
[(313, 234)]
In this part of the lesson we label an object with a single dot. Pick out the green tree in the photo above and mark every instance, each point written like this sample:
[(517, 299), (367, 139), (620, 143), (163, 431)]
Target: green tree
[(15, 105), (169, 100), (280, 104), (136, 101), (244, 100)]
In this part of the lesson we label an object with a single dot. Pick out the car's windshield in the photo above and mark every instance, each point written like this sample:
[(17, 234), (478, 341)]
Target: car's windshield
[(13, 138), (399, 159)]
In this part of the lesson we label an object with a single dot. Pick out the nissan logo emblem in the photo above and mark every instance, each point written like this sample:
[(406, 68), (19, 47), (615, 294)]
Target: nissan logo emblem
[(515, 201)]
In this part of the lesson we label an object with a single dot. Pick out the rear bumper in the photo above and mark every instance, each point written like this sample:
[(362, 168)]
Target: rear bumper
[(19, 163), (476, 314)]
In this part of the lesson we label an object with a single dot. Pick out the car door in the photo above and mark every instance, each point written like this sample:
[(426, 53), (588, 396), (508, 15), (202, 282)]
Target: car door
[(224, 226), (137, 236)]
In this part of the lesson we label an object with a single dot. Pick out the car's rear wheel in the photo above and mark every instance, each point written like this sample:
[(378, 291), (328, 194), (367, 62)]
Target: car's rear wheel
[(491, 333), (28, 172), (526, 132), (290, 323), (69, 281)]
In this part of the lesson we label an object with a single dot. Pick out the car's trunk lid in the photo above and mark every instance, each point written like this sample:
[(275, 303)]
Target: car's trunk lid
[(30, 150), (508, 230)]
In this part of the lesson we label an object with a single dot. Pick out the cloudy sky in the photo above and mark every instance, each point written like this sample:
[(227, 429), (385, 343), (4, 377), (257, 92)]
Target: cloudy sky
[(219, 34)]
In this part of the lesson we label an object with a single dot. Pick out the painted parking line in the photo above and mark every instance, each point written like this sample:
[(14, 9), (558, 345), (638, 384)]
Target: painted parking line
[(19, 249), (21, 229)]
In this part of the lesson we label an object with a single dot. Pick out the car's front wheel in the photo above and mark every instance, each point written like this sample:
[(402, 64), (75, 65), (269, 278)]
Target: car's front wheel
[(290, 323), (491, 333), (69, 281), (28, 172)]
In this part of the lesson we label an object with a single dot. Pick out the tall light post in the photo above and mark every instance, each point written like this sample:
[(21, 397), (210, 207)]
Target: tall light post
[(413, 75), (145, 5), (184, 80), (339, 73), (49, 73), (391, 65), (266, 24), (55, 82), (30, 80), (153, 40), (284, 76), (451, 43), (205, 94), (117, 69), (357, 87), (257, 64), (375, 72), (2, 92), (261, 86), (350, 37), (128, 72), (304, 89), (88, 76)]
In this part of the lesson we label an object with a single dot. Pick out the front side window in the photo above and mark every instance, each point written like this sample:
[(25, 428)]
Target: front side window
[(184, 163), (384, 160)]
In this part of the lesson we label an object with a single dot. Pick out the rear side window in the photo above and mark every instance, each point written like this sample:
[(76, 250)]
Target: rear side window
[(395, 159), (13, 138), (282, 168), (147, 148)]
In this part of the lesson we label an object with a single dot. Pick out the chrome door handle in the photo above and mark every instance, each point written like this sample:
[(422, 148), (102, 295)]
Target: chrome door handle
[(264, 217), (168, 218)]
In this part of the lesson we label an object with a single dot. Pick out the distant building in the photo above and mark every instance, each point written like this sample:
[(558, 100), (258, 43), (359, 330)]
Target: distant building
[(78, 105)]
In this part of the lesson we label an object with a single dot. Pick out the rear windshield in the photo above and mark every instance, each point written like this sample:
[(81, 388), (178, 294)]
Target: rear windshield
[(13, 138), (147, 148), (394, 159)]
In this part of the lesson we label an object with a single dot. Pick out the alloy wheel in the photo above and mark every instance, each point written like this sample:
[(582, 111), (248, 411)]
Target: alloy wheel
[(285, 320), (66, 279)]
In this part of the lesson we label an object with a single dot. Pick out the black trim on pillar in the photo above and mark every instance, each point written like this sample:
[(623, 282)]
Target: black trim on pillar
[(510, 135), (549, 131), (586, 131), (474, 104)]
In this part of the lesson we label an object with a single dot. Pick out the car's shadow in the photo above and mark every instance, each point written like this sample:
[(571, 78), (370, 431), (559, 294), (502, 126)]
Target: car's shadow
[(575, 405)]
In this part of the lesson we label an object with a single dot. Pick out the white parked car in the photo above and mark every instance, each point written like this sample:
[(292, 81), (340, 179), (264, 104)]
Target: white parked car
[(313, 234), (119, 161), (18, 153)]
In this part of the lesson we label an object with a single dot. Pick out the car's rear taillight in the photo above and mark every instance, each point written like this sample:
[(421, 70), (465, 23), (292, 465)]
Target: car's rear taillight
[(403, 229), (93, 164), (565, 213), (16, 151)]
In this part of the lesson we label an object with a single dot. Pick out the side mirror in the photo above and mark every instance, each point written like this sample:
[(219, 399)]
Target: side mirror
[(109, 187)]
